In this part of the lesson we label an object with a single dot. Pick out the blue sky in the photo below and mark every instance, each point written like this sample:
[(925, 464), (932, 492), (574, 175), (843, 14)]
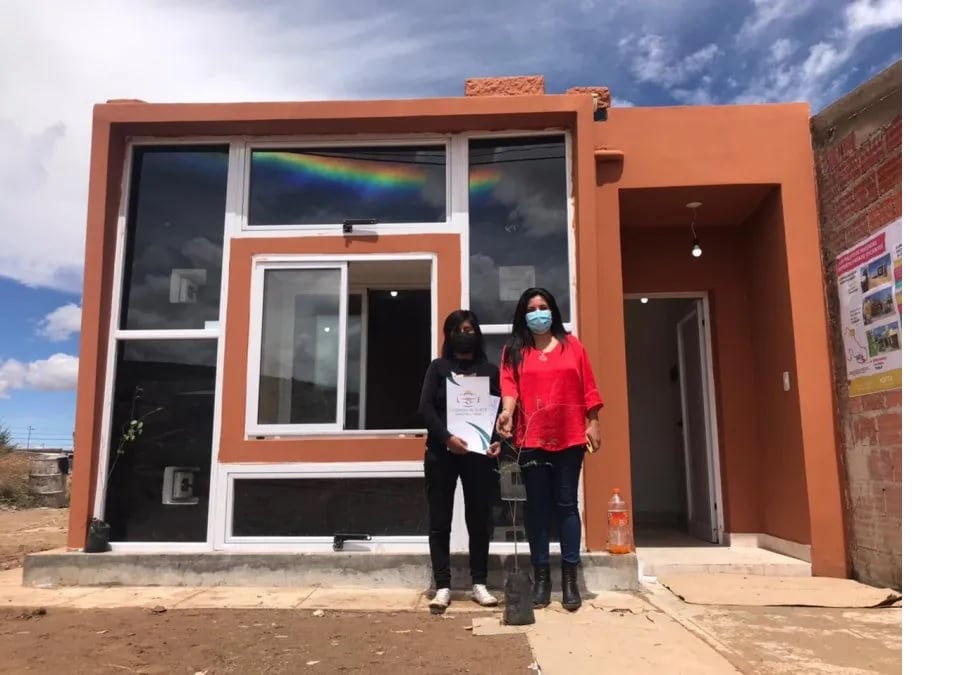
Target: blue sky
[(651, 53)]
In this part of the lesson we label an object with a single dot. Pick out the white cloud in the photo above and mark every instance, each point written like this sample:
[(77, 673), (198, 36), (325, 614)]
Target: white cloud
[(817, 78), (61, 323), (56, 373), (869, 16), (653, 59), (768, 14), (783, 49), (60, 58), (696, 96)]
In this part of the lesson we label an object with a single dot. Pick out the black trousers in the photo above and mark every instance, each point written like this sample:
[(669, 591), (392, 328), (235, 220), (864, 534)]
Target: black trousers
[(477, 473)]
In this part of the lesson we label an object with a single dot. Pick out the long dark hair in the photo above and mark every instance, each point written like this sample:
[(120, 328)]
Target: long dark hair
[(522, 336), (452, 324)]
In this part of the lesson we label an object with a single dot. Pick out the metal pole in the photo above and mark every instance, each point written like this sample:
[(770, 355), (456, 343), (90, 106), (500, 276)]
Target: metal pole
[(29, 432)]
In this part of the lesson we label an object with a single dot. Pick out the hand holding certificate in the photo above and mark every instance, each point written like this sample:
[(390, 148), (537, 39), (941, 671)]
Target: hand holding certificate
[(471, 411)]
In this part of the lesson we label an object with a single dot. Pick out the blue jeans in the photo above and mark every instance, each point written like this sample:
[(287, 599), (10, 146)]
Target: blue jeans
[(551, 480)]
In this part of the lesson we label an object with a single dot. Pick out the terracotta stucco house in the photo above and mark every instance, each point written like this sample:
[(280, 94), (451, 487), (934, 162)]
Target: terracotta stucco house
[(253, 269)]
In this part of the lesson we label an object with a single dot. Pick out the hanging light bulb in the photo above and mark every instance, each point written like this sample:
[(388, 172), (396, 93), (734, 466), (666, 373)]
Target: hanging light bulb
[(696, 251)]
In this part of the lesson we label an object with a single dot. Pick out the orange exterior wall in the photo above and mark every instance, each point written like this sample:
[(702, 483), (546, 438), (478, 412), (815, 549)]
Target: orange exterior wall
[(663, 147), (658, 260), (103, 203), (114, 123), (783, 488), (666, 147), (234, 446)]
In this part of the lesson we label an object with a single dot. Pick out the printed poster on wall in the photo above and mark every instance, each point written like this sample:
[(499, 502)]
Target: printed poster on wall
[(869, 282)]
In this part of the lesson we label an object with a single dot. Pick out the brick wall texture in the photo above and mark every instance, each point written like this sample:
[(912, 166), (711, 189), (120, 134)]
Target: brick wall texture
[(859, 190)]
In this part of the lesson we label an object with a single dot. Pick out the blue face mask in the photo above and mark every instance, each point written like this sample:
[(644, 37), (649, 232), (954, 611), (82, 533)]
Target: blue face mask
[(539, 321)]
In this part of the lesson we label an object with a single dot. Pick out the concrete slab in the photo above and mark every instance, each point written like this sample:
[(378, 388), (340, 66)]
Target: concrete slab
[(803, 640), (792, 640), (657, 561), (492, 625), (758, 591), (599, 571), (14, 594), (342, 599), (592, 640), (273, 598), (12, 577), (41, 597), (108, 598), (618, 602)]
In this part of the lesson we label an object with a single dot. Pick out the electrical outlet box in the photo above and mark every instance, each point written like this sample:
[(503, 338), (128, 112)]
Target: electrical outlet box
[(179, 485), (786, 381)]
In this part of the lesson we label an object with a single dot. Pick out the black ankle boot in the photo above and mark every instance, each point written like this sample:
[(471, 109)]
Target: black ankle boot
[(541, 586), (571, 592)]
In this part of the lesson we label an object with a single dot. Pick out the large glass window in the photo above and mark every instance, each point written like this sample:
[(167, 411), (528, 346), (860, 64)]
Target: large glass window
[(518, 223), (494, 344), (174, 238), (323, 186), (158, 483), (313, 375), (300, 346), (323, 507)]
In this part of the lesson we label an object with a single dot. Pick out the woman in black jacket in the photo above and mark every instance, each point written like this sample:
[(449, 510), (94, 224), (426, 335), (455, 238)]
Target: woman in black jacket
[(447, 458)]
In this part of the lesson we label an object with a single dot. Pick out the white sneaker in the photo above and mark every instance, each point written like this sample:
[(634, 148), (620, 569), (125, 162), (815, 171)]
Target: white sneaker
[(482, 596), (440, 601)]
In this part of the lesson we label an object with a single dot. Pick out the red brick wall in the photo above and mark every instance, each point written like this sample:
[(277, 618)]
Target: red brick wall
[(859, 186)]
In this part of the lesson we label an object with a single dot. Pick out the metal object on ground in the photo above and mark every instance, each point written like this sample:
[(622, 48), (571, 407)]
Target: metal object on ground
[(339, 539), (47, 481)]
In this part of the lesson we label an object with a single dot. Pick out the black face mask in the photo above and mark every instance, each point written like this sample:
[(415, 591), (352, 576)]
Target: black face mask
[(463, 343)]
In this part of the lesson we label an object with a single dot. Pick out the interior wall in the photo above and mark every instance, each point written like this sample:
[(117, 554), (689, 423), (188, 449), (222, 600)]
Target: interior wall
[(659, 260), (783, 497), (656, 441)]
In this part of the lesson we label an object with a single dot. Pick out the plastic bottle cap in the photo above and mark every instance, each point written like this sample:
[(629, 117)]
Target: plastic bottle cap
[(616, 491)]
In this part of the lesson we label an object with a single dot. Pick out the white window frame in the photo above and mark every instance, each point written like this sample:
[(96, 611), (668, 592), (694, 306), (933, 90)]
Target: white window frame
[(261, 263), (257, 301), (340, 143), (230, 473), (213, 332), (459, 539), (235, 227), (463, 156)]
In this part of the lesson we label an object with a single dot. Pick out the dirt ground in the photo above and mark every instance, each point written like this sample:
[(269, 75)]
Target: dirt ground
[(229, 641), (28, 531), (250, 641)]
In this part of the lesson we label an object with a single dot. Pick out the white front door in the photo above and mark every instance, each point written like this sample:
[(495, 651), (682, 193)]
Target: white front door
[(694, 387)]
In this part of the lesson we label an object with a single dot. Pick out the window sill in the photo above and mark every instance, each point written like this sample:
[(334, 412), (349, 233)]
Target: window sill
[(345, 435)]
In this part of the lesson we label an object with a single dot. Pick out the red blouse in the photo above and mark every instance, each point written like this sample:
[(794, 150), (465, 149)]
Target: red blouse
[(556, 390)]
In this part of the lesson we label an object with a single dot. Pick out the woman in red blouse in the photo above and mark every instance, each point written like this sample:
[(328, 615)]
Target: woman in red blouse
[(551, 409)]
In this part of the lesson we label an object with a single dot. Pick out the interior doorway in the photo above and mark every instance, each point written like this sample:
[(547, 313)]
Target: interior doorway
[(673, 453)]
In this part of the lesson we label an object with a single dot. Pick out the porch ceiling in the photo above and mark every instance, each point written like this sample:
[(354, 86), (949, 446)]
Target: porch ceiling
[(723, 205)]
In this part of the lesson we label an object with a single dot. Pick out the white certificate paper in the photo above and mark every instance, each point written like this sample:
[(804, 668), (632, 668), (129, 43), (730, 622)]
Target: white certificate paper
[(471, 411)]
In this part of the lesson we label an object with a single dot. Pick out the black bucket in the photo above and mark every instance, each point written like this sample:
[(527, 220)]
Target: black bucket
[(98, 537), (518, 600)]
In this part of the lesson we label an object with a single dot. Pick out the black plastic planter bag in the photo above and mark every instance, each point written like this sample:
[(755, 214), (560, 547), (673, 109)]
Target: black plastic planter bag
[(98, 537), (518, 600)]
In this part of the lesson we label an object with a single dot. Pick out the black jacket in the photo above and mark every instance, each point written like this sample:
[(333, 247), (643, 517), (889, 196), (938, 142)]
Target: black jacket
[(433, 397)]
